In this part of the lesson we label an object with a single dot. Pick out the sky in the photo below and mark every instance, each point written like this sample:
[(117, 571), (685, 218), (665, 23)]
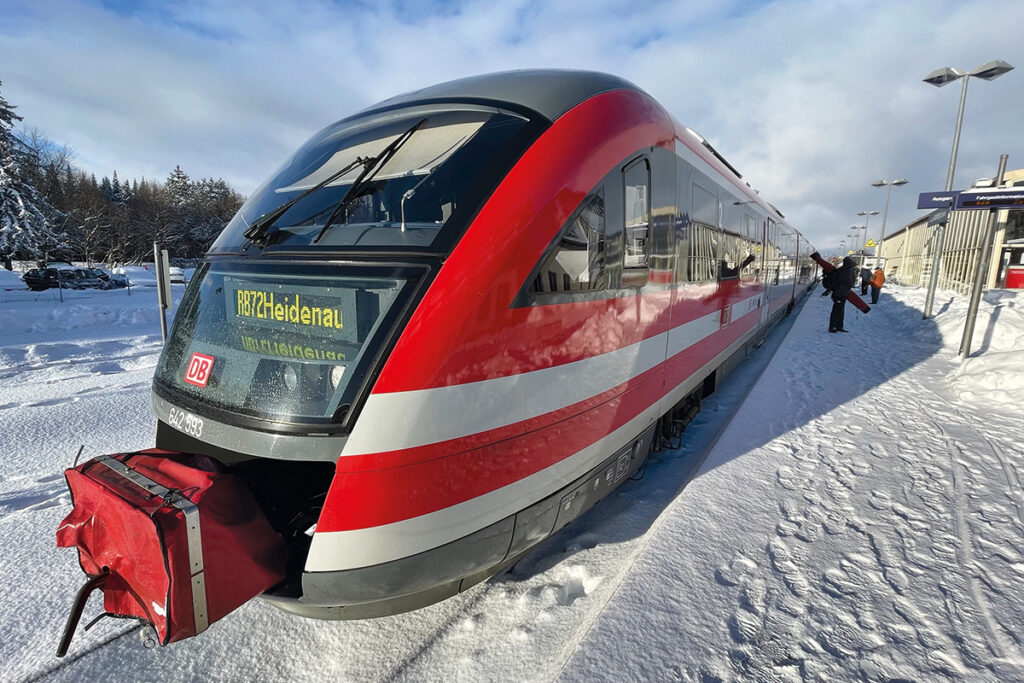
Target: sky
[(811, 100)]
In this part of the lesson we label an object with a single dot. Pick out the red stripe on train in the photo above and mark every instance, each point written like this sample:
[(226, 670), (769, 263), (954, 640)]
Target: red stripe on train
[(383, 488)]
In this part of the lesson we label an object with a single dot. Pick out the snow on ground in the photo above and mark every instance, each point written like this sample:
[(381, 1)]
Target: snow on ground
[(861, 516), (11, 280)]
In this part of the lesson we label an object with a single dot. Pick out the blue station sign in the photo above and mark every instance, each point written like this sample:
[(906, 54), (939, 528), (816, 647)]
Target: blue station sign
[(937, 200), (995, 198)]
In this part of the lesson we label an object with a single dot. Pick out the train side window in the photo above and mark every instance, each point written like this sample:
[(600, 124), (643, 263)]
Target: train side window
[(682, 222), (729, 261), (576, 264), (751, 267), (636, 183), (704, 237)]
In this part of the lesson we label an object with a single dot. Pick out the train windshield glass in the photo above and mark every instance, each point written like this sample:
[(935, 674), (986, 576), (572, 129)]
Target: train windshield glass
[(393, 180), (273, 341)]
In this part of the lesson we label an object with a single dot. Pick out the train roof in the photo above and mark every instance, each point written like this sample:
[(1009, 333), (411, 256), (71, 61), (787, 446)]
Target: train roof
[(548, 92)]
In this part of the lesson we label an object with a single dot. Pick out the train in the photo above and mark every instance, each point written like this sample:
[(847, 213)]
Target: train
[(451, 323)]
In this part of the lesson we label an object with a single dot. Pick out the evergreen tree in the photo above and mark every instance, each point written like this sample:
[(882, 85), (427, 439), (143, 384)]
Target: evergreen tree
[(24, 225), (116, 194), (178, 188), (107, 188)]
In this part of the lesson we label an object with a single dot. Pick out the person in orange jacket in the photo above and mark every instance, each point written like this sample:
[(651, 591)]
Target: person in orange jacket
[(876, 282)]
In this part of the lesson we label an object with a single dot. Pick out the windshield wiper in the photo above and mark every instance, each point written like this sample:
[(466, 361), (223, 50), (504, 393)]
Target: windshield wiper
[(259, 232), (366, 177)]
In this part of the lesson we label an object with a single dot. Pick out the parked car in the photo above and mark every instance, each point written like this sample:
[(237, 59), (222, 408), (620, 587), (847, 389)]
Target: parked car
[(39, 279), (100, 273), (118, 280), (177, 275), (84, 279)]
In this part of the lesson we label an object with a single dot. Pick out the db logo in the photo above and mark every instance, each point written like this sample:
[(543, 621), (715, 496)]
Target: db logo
[(198, 371)]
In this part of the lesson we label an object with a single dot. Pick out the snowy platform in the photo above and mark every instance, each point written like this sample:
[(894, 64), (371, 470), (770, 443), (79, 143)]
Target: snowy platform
[(860, 517)]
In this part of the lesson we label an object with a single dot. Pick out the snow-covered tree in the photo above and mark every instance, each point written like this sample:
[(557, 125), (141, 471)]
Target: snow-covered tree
[(178, 188), (24, 225)]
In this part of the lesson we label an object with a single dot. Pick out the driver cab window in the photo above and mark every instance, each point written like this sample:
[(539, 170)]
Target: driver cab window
[(636, 197)]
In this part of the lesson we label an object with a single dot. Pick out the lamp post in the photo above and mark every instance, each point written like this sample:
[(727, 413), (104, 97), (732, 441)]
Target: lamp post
[(940, 77), (887, 184), (867, 217), (854, 238)]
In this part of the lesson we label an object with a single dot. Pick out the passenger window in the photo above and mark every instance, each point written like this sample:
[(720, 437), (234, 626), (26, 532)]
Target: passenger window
[(577, 262), (729, 262), (704, 236)]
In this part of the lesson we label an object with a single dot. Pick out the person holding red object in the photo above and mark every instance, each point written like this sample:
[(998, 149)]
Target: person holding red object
[(839, 282)]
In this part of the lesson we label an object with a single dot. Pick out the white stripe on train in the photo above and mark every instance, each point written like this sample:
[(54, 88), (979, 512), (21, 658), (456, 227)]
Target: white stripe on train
[(340, 550), (426, 416)]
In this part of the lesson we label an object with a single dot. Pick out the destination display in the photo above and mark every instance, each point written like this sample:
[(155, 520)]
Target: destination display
[(298, 308)]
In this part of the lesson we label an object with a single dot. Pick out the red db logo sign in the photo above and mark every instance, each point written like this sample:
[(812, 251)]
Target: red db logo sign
[(198, 371)]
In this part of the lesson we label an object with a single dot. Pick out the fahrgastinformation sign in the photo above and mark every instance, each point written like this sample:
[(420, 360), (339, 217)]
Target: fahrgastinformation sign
[(996, 198), (983, 198)]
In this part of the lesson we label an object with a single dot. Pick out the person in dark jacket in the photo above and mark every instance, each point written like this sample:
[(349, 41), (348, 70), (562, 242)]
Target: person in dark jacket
[(839, 283), (865, 280)]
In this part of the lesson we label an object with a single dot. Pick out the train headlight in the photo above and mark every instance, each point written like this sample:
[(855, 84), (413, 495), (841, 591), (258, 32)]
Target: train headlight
[(336, 374), (290, 377)]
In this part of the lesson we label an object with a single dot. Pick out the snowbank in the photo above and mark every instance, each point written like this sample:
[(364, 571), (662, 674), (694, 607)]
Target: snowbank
[(994, 373), (137, 275), (11, 280), (80, 310)]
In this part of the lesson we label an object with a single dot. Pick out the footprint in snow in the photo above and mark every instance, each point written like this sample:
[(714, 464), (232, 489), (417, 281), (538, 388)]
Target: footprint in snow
[(734, 573), (576, 583), (782, 562), (43, 493), (787, 478), (473, 623), (106, 368)]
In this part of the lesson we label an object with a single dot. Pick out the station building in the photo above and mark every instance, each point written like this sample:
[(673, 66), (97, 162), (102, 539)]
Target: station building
[(908, 252)]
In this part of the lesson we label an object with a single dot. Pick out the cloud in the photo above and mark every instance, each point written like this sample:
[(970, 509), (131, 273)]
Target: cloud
[(812, 100)]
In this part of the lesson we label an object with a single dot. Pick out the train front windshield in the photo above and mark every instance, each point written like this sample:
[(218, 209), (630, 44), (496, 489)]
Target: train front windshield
[(393, 181), (276, 341)]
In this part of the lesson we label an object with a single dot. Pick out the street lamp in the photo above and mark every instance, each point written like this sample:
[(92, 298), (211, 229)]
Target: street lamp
[(887, 184), (940, 77), (855, 237), (867, 217)]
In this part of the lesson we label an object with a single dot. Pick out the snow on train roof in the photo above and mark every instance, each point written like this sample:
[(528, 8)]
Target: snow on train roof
[(549, 92)]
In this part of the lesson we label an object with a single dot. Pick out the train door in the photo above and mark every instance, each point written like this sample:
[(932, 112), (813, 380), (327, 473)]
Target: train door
[(767, 267)]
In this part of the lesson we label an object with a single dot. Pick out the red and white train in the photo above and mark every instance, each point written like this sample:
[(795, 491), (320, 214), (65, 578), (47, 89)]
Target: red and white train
[(454, 321)]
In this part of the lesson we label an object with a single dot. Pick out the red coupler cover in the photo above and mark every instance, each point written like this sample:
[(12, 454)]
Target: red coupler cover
[(140, 531)]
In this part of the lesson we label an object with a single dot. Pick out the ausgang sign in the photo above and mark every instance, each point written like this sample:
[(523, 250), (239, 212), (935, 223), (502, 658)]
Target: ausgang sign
[(996, 198), (937, 200)]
